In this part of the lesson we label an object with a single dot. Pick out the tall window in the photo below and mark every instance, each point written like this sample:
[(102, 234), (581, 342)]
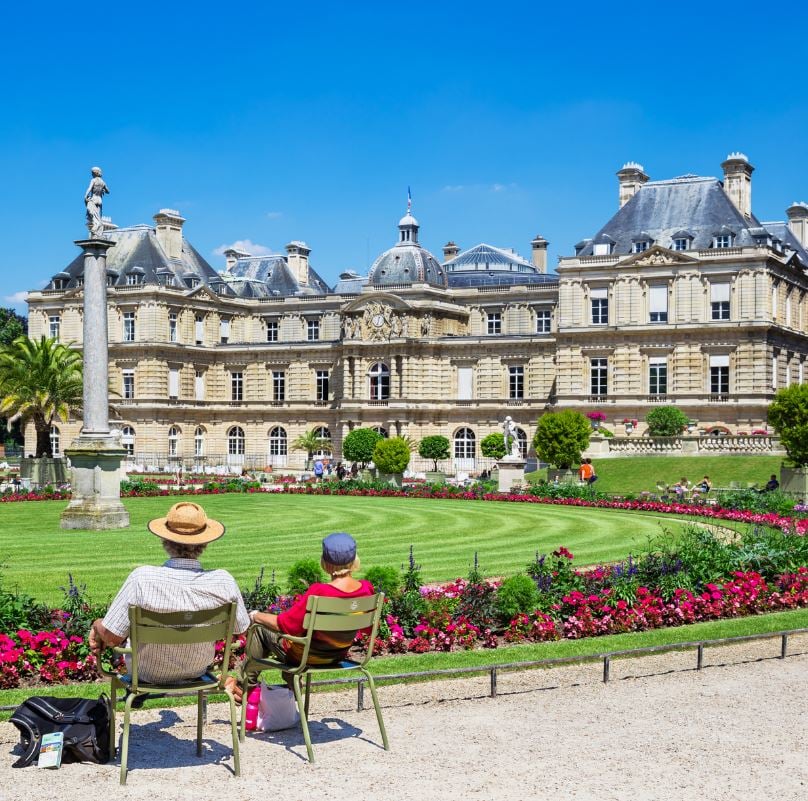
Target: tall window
[(516, 382), (719, 301), (172, 326), (321, 380), (465, 383), (379, 381), (775, 372), (775, 300), (543, 321), (600, 306), (199, 329), (494, 322), (464, 444), (235, 445), (128, 385), (128, 326), (272, 330), (173, 441), (173, 382), (658, 304), (658, 375), (54, 326), (199, 385), (278, 385), (521, 438), (599, 376), (278, 447), (224, 331), (237, 386), (128, 440), (55, 442), (719, 375), (312, 330), (199, 441), (324, 435)]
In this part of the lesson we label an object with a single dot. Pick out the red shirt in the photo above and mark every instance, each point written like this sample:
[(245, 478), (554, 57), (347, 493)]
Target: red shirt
[(326, 647)]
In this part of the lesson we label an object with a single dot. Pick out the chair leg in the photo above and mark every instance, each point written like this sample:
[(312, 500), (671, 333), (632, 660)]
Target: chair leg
[(125, 737), (372, 685), (304, 724), (308, 693), (200, 703), (234, 731), (112, 730)]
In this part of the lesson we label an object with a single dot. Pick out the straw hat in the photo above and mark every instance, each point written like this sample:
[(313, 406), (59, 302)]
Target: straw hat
[(187, 523)]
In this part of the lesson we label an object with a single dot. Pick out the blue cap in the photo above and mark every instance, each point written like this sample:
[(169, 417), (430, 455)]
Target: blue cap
[(339, 549)]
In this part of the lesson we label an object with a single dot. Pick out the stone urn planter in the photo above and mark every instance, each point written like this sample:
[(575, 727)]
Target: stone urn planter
[(366, 475), (393, 479), (794, 482), (435, 477)]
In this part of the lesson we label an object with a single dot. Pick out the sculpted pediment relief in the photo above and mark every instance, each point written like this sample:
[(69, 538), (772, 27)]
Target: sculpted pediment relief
[(375, 322), (655, 256)]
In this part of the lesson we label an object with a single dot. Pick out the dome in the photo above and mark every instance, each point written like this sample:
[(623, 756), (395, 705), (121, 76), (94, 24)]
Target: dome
[(407, 219), (407, 263)]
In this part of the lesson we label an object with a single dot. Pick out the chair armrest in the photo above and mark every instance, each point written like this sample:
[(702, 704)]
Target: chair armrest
[(99, 667)]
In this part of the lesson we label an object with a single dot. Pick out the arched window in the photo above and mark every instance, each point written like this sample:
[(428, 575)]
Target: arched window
[(382, 432), (128, 440), (173, 441), (464, 444), (324, 435), (199, 441), (521, 438), (379, 376), (55, 442), (278, 446), (235, 445)]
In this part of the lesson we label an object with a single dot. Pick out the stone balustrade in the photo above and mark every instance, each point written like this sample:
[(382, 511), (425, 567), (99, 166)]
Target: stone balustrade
[(609, 447)]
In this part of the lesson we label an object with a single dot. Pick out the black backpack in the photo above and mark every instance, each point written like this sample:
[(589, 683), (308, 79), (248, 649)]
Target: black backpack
[(84, 722)]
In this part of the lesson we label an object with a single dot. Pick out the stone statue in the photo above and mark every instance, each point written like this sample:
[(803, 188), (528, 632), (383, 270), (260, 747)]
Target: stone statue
[(426, 321), (511, 439), (93, 200), (396, 326)]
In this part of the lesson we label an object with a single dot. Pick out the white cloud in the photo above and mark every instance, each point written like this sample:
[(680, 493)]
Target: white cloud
[(495, 187), (245, 244), (17, 297), (274, 215), (453, 188)]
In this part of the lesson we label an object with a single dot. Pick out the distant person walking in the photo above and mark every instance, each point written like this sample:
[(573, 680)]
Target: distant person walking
[(318, 470), (340, 471)]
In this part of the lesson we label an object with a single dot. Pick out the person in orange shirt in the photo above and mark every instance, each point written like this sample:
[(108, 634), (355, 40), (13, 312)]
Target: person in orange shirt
[(586, 473)]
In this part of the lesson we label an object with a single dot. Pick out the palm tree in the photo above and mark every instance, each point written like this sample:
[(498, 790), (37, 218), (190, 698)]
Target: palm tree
[(310, 442), (40, 381)]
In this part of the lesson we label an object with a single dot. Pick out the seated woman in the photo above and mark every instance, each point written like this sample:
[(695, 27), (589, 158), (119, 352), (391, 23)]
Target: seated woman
[(702, 488), (339, 560)]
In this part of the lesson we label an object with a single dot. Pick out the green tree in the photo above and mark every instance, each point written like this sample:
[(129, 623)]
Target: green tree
[(434, 447), (493, 446), (561, 437), (12, 326), (359, 444), (666, 421), (788, 413), (40, 381), (311, 443), (391, 455)]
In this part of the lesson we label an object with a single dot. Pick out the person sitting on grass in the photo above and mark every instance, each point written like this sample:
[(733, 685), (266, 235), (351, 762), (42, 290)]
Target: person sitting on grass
[(339, 560), (586, 473), (178, 585), (772, 484)]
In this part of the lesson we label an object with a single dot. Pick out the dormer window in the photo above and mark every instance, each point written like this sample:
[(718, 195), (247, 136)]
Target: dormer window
[(722, 241), (602, 249), (681, 243), (641, 245)]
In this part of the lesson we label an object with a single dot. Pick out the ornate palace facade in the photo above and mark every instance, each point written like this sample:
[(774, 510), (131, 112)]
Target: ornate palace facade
[(683, 297)]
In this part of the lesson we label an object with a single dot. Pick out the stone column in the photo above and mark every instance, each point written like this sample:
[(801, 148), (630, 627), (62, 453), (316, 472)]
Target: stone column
[(96, 453)]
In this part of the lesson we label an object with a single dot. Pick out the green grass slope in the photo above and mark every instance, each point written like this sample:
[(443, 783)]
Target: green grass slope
[(275, 530)]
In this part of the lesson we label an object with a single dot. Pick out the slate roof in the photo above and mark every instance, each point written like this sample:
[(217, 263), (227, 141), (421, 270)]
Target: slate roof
[(138, 252), (664, 209), (264, 276), (407, 263), (488, 257), (781, 231)]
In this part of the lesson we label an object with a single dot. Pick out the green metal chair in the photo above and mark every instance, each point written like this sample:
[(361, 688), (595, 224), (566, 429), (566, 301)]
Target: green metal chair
[(173, 628), (325, 615)]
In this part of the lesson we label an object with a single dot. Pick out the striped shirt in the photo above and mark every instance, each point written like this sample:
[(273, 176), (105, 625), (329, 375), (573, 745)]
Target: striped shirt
[(179, 585)]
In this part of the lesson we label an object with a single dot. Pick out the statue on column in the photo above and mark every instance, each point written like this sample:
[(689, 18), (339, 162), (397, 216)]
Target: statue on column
[(511, 439), (93, 200)]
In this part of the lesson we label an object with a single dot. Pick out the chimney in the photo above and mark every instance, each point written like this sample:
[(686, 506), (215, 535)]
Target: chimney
[(798, 222), (539, 253), (168, 224), (108, 225), (738, 181), (450, 251), (231, 256), (298, 260), (631, 177)]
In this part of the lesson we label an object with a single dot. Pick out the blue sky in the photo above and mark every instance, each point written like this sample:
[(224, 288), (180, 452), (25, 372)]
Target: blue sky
[(266, 123)]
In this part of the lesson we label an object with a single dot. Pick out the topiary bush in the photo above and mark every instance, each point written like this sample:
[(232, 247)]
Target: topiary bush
[(561, 437), (391, 455), (302, 574), (788, 413), (359, 444), (386, 579), (516, 595), (435, 448), (666, 421), (493, 446)]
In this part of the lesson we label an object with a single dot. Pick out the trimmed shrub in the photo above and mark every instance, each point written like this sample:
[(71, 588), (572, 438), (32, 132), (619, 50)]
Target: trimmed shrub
[(493, 446), (666, 421), (359, 444), (516, 595), (561, 437), (391, 455), (386, 579), (302, 574), (788, 413), (435, 447)]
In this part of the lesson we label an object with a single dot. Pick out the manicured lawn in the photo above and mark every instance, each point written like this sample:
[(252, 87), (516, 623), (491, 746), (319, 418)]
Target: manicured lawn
[(274, 530), (636, 474)]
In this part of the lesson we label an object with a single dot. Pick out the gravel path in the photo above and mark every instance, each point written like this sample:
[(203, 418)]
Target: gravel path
[(659, 730)]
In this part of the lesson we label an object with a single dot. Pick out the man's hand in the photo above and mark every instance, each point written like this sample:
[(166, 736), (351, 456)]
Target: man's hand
[(100, 637)]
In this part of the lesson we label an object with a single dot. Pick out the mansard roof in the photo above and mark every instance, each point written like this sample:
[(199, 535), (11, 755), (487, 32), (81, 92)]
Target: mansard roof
[(264, 276)]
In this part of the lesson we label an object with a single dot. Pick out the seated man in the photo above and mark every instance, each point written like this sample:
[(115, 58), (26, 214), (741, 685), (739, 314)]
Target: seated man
[(178, 585), (703, 487), (772, 484), (339, 560)]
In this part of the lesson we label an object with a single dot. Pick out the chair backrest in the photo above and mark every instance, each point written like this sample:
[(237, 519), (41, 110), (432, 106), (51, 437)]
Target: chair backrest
[(324, 614), (180, 628)]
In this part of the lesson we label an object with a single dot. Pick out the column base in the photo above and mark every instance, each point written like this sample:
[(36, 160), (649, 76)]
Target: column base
[(96, 488)]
